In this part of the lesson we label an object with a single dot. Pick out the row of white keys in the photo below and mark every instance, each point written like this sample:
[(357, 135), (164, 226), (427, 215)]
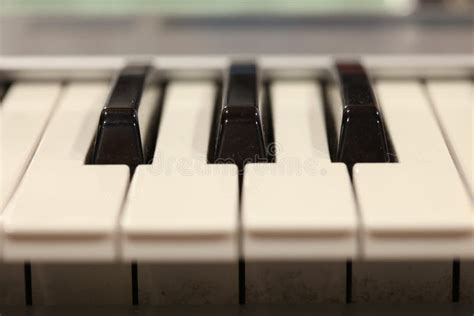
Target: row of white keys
[(180, 209), (65, 211), (412, 211), (299, 210), (24, 113)]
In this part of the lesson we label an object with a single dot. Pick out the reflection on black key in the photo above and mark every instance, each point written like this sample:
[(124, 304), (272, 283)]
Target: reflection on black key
[(241, 134), (126, 119), (362, 135)]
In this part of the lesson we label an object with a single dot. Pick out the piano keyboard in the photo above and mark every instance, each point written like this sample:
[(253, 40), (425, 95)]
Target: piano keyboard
[(192, 180)]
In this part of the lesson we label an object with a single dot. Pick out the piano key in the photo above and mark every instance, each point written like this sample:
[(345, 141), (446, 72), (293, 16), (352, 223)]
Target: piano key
[(23, 116), (64, 147), (71, 130), (182, 209), (4, 85), (25, 112), (453, 102), (417, 209), (360, 128), (421, 150), (414, 210), (414, 200), (322, 222), (11, 275), (12, 291), (49, 219), (241, 136), (128, 115), (416, 137)]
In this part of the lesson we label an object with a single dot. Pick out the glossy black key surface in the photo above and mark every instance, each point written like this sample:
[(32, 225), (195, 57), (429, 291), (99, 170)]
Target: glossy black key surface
[(118, 139), (241, 134), (362, 135)]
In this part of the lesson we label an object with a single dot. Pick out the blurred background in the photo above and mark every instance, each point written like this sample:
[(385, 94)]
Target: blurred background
[(126, 27)]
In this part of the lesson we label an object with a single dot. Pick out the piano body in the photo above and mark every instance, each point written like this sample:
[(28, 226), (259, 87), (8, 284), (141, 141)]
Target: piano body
[(237, 184)]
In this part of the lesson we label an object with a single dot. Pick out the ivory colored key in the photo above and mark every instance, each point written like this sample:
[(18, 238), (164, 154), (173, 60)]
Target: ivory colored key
[(420, 202), (53, 221), (299, 208), (182, 209), (67, 212), (453, 102), (412, 124), (413, 210), (25, 112), (12, 291)]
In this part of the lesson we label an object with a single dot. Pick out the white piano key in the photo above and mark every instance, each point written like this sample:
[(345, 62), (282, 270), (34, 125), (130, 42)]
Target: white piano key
[(72, 218), (67, 212), (49, 218), (300, 208), (25, 111), (281, 211), (412, 124), (182, 217), (453, 102), (179, 196), (71, 222), (68, 137), (182, 209), (413, 210), (279, 204), (418, 203)]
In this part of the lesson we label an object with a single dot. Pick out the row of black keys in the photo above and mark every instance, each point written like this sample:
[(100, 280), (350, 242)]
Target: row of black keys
[(242, 126)]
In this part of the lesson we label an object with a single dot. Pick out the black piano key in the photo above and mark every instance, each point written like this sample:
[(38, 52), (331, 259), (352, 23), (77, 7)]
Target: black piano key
[(118, 138), (241, 135), (4, 85), (362, 136)]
